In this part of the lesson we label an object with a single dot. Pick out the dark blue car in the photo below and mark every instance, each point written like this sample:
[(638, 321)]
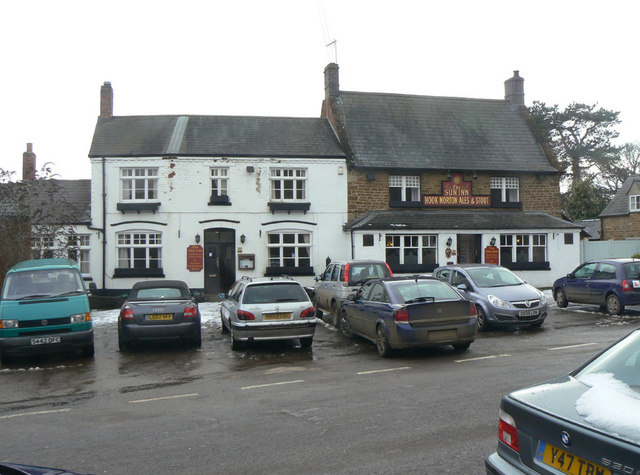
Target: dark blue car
[(610, 283)]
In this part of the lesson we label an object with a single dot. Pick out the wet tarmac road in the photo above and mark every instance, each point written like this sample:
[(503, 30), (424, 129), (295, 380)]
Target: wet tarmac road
[(39, 395)]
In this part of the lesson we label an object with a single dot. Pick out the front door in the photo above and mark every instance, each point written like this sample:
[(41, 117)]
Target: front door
[(469, 248), (219, 260)]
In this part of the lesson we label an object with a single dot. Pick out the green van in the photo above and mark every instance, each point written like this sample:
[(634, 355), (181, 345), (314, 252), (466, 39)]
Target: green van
[(44, 308)]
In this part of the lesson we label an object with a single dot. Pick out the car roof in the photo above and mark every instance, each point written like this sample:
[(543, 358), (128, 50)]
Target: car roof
[(620, 260), (153, 284), (357, 261), (469, 266), (267, 280), (52, 263)]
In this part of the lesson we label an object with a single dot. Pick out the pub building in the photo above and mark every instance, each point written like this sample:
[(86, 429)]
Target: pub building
[(446, 180)]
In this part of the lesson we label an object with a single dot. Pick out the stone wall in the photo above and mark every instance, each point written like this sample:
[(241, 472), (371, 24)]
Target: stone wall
[(621, 227), (368, 190)]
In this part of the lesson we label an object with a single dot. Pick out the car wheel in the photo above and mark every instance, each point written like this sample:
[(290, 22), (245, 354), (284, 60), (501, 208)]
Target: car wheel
[(334, 314), (344, 324), (88, 351), (306, 342), (561, 299), (382, 342), (461, 346), (614, 306), (481, 318), (235, 344)]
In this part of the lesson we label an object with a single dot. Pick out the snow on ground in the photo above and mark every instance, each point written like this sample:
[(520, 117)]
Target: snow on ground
[(610, 405), (209, 312)]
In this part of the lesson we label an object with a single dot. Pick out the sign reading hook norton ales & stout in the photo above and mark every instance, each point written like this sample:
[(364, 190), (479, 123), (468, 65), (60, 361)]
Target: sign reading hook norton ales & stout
[(456, 192)]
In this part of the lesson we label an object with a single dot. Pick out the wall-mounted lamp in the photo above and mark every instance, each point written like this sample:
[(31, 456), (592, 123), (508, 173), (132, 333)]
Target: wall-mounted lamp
[(340, 170), (449, 241), (243, 238), (197, 238), (250, 169), (492, 242), (475, 175), (327, 261)]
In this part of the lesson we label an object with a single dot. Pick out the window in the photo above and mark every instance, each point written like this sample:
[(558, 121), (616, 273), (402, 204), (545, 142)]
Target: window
[(139, 184), (139, 250), (219, 182), (568, 238), (505, 190), (79, 251), (634, 202), (289, 249), (404, 188), (75, 247), (288, 184), (367, 240), (523, 248), (410, 249)]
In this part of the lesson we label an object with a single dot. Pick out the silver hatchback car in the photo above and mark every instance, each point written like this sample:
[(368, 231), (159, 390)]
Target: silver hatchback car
[(265, 308), (501, 297)]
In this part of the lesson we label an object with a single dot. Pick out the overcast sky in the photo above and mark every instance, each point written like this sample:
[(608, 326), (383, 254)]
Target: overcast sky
[(266, 58)]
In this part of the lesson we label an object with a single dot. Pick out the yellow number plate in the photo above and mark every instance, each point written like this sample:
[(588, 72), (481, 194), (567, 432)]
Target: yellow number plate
[(161, 316), (566, 462), (277, 316)]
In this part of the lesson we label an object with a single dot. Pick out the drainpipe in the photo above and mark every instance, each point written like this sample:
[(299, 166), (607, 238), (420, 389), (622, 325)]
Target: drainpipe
[(353, 256), (104, 223)]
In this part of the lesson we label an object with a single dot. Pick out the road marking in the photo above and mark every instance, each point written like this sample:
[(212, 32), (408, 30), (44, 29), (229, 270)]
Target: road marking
[(34, 413), (164, 397), (482, 358), (571, 346), (384, 370), (273, 384)]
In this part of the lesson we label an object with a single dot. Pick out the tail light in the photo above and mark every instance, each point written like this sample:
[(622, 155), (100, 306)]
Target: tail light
[(507, 432), (390, 272), (126, 313), (401, 315), (472, 309), (308, 313), (346, 274), (244, 315), (190, 311), (627, 286)]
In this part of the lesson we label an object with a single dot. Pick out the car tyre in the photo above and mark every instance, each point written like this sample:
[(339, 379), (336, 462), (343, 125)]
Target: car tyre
[(306, 342), (382, 342), (196, 339), (461, 346), (123, 344), (561, 298), (614, 306), (345, 325), (334, 314), (481, 319)]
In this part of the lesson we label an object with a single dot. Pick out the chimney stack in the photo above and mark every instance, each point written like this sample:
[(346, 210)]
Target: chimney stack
[(29, 163), (331, 83), (106, 100), (514, 89)]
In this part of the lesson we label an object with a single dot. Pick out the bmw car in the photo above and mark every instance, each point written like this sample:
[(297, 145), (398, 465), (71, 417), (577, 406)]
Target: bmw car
[(159, 310), (587, 422)]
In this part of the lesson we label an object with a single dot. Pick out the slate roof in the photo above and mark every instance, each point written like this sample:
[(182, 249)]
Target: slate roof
[(411, 220), (619, 204), (229, 136), (427, 132), (592, 228)]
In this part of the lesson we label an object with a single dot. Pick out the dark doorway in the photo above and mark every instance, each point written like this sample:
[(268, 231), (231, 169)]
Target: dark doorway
[(469, 247), (219, 260)]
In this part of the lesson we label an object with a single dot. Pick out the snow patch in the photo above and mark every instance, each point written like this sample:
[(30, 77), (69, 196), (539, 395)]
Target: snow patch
[(209, 312)]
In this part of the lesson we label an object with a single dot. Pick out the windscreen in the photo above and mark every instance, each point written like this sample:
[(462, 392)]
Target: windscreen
[(493, 277), (272, 293), (42, 283)]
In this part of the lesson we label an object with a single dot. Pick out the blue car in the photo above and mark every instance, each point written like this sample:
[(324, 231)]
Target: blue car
[(610, 283), (407, 312)]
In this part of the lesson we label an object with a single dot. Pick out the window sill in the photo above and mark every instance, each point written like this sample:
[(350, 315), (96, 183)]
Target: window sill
[(507, 204), (405, 204), (124, 207), (219, 200), (121, 273), (526, 265), (276, 271), (289, 207)]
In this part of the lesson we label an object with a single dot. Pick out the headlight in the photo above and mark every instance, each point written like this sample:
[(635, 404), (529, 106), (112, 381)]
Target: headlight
[(498, 302), (543, 300), (8, 323), (81, 317)]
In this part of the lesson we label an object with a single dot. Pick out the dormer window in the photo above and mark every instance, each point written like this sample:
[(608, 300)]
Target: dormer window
[(634, 203), (505, 192), (404, 191)]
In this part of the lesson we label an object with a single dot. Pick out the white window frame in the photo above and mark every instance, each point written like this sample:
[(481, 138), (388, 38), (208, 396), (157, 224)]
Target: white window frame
[(529, 243), (504, 184), (219, 181), (412, 241), (289, 245), (409, 186), (288, 184), (634, 203), (129, 244), (139, 184), (60, 246)]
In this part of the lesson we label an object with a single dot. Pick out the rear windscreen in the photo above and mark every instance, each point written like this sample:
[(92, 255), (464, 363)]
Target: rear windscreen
[(159, 293), (359, 272), (271, 293), (632, 270), (435, 289)]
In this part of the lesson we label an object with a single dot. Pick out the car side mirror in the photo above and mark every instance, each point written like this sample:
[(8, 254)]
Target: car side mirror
[(463, 287), (318, 277)]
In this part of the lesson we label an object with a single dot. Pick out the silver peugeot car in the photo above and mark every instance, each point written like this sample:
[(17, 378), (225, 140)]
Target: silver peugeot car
[(501, 297)]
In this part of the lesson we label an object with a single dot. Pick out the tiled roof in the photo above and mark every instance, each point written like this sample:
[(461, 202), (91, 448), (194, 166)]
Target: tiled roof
[(412, 220), (231, 136), (427, 132), (619, 204)]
